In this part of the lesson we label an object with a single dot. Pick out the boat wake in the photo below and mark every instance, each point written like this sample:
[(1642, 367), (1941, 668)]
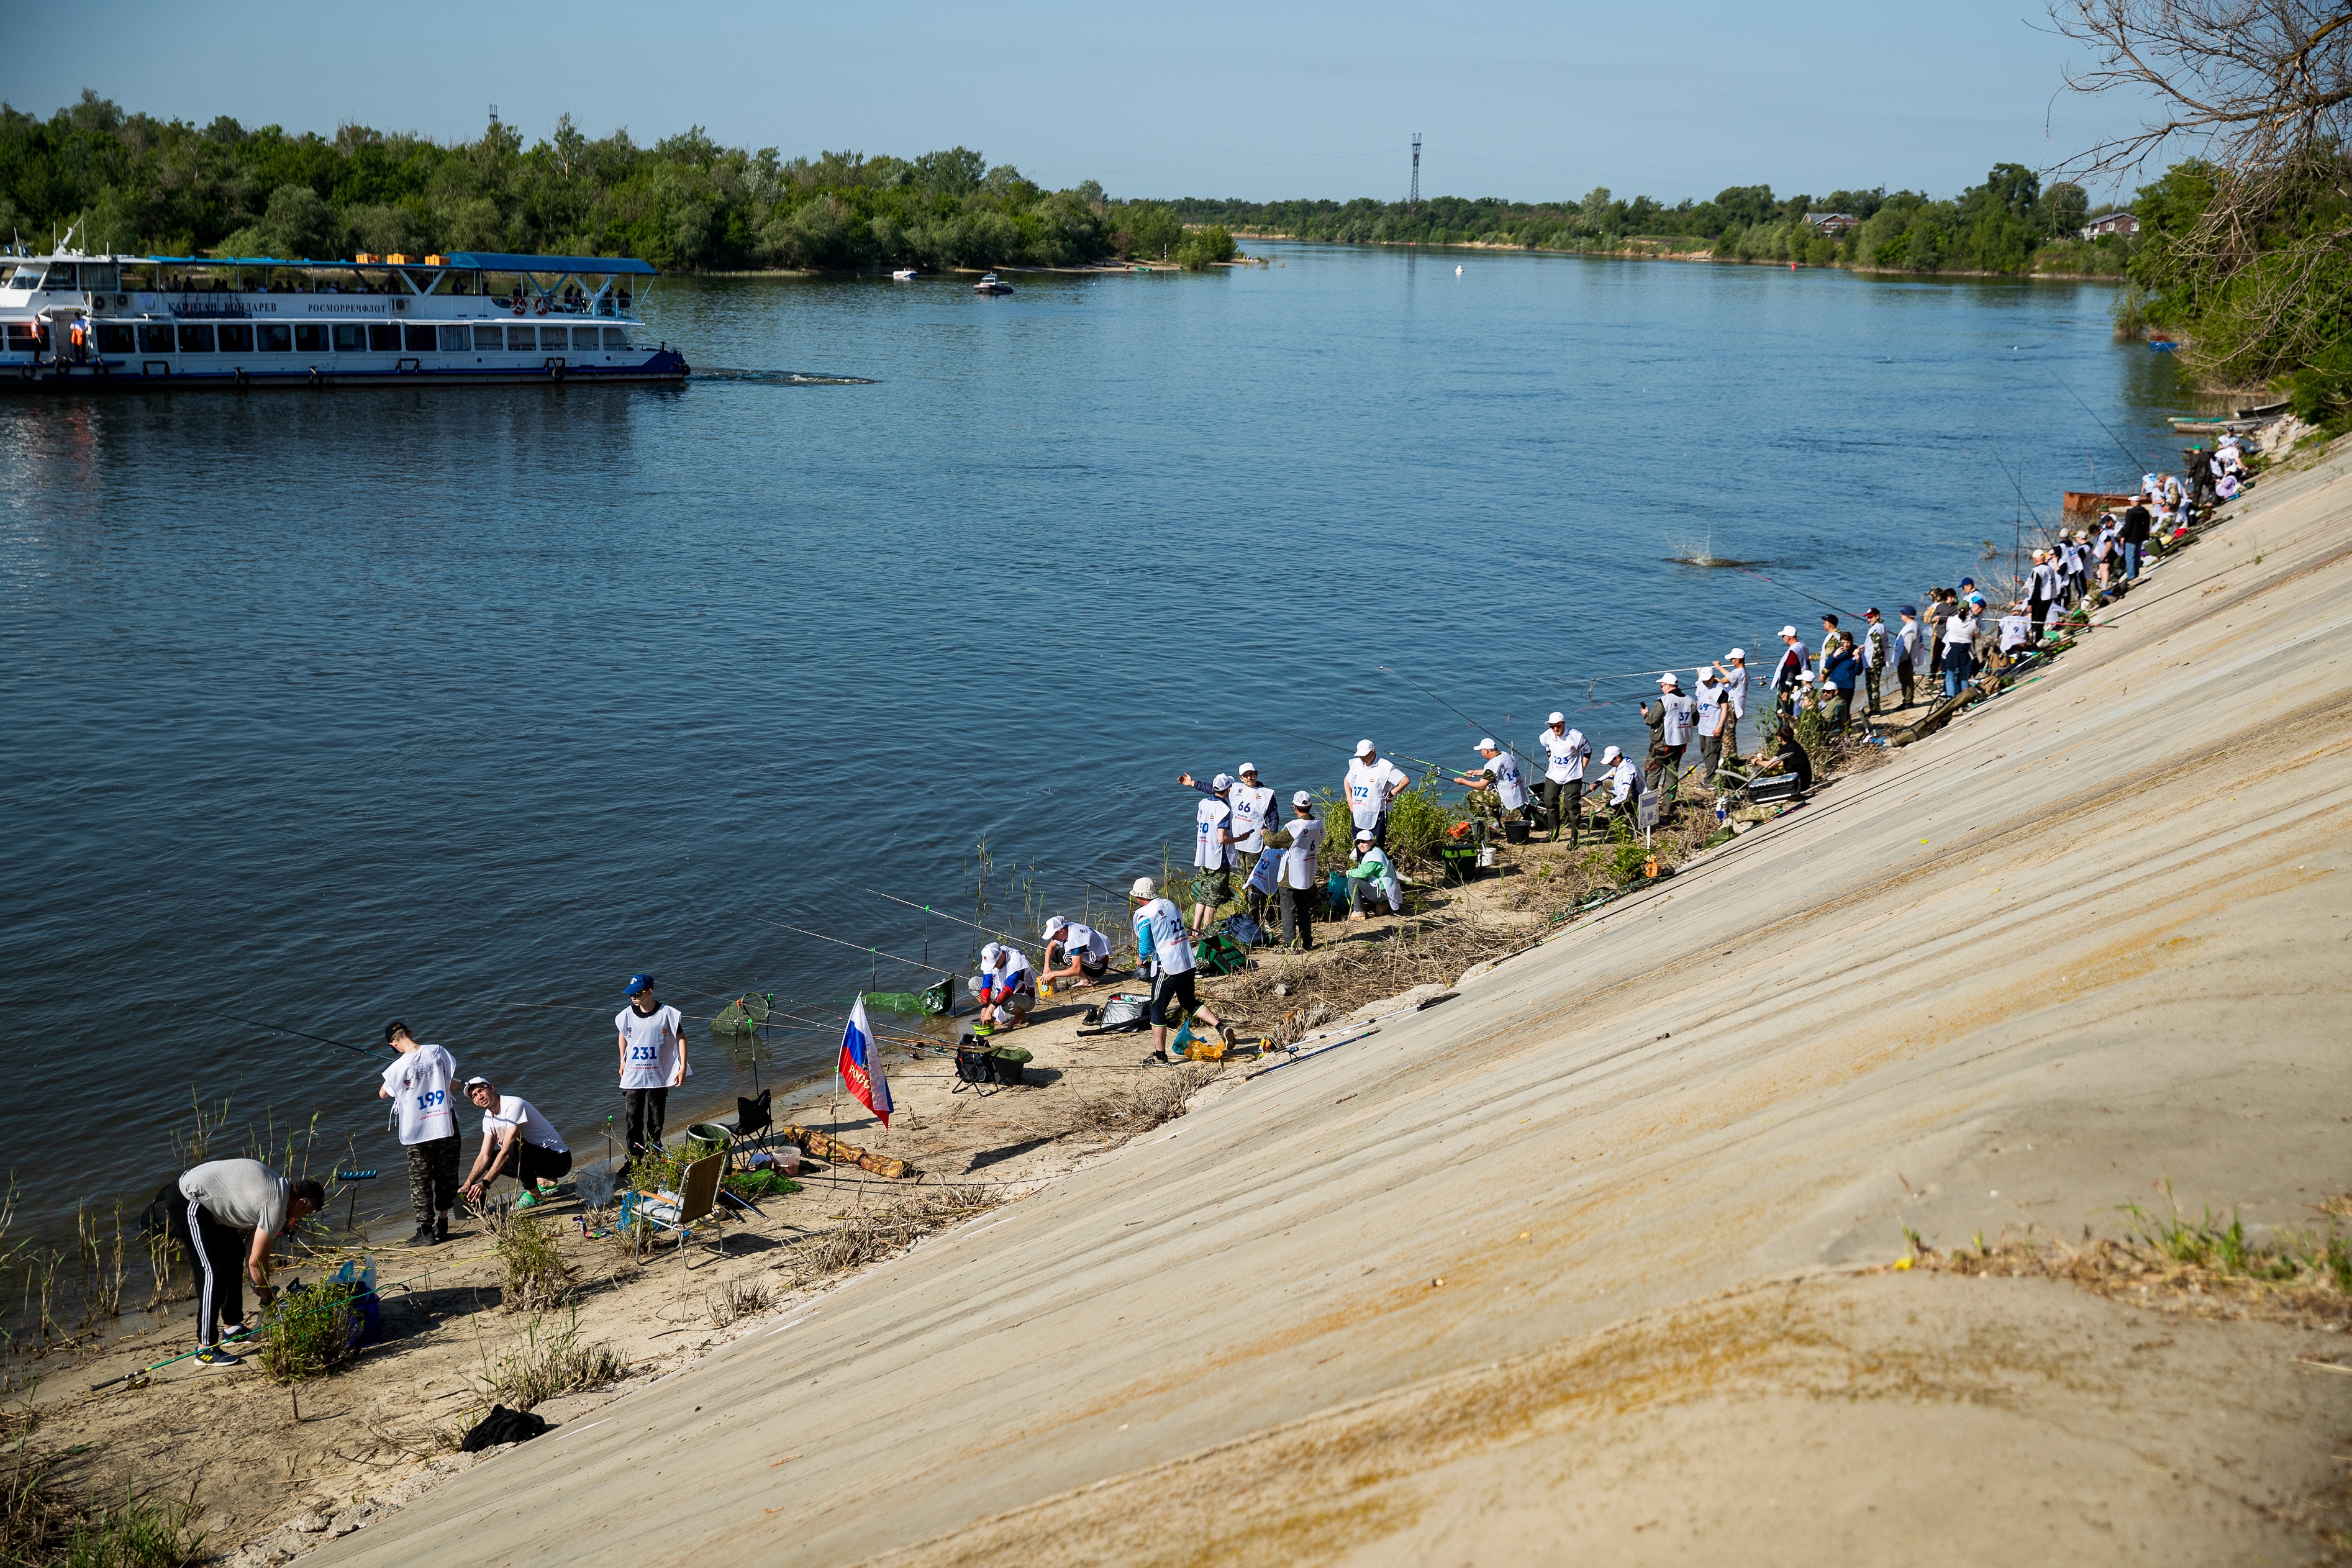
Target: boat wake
[(1702, 559), (783, 378)]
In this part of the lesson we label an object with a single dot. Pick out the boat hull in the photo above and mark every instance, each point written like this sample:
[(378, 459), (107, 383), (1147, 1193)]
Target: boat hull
[(131, 375)]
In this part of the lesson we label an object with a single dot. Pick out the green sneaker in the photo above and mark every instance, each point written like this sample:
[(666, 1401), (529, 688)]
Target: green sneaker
[(528, 1200)]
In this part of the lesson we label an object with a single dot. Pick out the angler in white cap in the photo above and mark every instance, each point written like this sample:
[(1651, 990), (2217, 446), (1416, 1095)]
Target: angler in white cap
[(1371, 877), (1501, 775), (1253, 807), (1625, 781), (1671, 723), (1566, 752), (1709, 698), (1300, 842), (1077, 955), (1734, 696), (1212, 840), (1372, 782), (1006, 987), (1161, 944), (1795, 660)]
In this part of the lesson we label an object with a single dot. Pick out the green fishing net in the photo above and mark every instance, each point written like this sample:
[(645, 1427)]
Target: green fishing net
[(744, 1015)]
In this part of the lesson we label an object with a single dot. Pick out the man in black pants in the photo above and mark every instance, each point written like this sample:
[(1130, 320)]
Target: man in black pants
[(652, 1041), (224, 1214), (517, 1141)]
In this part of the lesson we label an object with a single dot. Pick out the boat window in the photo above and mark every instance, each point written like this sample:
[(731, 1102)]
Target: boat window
[(523, 340), (235, 340), (417, 340), (21, 340), (276, 337), (384, 338), (311, 337), (351, 338), (457, 339), (103, 278), (195, 340), (585, 338), (59, 276), (155, 339), (113, 339), (26, 277), (489, 338), (616, 338)]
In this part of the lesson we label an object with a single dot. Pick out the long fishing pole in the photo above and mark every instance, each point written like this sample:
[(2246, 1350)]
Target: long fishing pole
[(852, 946), (1338, 746), (1798, 591), (985, 930), (2020, 488), (279, 1029), (2128, 452)]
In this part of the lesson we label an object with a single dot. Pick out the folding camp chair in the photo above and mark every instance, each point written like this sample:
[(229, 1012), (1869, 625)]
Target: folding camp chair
[(680, 1211)]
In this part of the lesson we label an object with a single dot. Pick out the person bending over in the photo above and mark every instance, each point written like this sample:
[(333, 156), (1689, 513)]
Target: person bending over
[(223, 1214), (1076, 954), (1161, 939), (517, 1141)]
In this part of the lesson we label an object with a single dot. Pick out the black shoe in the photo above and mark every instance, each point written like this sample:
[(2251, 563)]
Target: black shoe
[(424, 1237), (441, 1230)]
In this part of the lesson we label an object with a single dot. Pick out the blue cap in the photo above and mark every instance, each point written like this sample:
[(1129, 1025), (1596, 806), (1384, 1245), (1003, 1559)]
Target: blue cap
[(640, 983)]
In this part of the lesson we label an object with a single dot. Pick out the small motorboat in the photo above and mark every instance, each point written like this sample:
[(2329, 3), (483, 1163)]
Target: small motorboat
[(991, 284), (2217, 427), (905, 275)]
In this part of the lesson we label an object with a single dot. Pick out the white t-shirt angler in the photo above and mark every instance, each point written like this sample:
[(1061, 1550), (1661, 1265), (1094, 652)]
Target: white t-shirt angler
[(1208, 849), (514, 1110), (651, 1054), (419, 1085), (1298, 860), (1253, 814), (1159, 929), (1564, 755), (1369, 786)]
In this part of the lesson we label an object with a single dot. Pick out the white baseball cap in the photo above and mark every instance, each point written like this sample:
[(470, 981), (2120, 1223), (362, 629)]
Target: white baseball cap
[(1302, 798), (1557, 719), (1249, 769), (1805, 678), (1788, 631), (1221, 782), (1737, 653), (991, 954), (1363, 835), (1612, 755), (1486, 743), (1143, 888), (1706, 675), (1055, 924), (1668, 679), (1365, 748)]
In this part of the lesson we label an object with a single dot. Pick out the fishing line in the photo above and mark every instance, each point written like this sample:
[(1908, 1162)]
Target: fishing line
[(985, 930), (322, 1039), (2128, 452), (1798, 591), (852, 946)]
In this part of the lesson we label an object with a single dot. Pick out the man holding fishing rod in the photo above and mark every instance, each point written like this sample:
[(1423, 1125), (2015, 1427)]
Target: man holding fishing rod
[(224, 1214)]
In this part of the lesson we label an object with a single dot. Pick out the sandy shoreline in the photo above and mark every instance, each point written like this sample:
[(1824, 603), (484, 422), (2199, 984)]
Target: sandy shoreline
[(1601, 1250)]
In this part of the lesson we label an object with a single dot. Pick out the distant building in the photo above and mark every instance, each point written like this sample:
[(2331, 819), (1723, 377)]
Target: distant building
[(1833, 225), (2122, 223)]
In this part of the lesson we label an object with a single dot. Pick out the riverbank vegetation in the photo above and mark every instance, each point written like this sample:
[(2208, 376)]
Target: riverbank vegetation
[(2012, 223), (134, 182), (2245, 252)]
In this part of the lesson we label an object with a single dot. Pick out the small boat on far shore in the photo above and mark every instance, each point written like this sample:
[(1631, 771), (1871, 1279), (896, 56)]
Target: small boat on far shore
[(2200, 426), (905, 275), (991, 284)]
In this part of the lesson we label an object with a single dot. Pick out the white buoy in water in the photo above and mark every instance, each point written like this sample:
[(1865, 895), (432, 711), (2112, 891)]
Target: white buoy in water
[(1458, 271)]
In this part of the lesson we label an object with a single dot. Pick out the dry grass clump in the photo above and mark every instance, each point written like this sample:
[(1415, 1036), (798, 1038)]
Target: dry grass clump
[(40, 1522), (864, 1235), (1144, 1101), (2199, 1265), (737, 1299), (537, 1277), (542, 1364)]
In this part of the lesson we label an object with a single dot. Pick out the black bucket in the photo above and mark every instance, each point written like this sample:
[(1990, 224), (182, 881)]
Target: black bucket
[(1514, 832), (1005, 1069)]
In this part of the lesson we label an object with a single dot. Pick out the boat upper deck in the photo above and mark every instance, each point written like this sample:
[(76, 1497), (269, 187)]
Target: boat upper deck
[(460, 286)]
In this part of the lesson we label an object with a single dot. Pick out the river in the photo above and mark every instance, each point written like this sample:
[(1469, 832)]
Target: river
[(459, 707)]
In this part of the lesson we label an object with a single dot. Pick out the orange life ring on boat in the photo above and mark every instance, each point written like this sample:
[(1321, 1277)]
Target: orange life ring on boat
[(518, 306), (542, 307)]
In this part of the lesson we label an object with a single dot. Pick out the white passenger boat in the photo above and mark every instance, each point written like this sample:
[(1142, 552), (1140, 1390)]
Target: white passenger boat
[(991, 284), (69, 320)]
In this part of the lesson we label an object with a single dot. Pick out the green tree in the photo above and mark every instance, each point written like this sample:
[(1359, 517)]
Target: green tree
[(1202, 247)]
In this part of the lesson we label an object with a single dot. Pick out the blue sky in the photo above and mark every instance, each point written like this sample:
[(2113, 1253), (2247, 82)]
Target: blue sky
[(1517, 101)]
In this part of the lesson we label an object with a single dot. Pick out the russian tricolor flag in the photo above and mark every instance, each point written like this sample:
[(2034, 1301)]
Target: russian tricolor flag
[(861, 1064)]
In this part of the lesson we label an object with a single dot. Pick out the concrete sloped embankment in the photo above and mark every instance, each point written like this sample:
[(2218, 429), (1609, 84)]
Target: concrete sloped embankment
[(2092, 935)]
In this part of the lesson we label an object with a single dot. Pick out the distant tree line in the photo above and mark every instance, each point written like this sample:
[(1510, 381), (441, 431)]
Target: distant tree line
[(134, 182), (2009, 224)]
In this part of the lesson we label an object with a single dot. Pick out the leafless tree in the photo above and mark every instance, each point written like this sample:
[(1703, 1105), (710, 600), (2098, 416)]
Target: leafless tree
[(2247, 85), (2259, 92)]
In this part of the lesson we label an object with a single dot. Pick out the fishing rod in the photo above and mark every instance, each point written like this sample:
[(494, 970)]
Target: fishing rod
[(2118, 440), (1798, 591), (2020, 488), (1337, 745), (985, 930), (279, 1029), (852, 946)]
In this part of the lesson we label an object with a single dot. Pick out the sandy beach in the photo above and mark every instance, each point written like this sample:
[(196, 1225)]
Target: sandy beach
[(1796, 1207)]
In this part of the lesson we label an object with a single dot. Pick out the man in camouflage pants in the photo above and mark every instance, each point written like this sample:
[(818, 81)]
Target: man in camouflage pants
[(417, 1084)]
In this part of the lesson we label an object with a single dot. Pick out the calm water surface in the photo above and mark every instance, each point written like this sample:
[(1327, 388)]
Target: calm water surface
[(460, 707)]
